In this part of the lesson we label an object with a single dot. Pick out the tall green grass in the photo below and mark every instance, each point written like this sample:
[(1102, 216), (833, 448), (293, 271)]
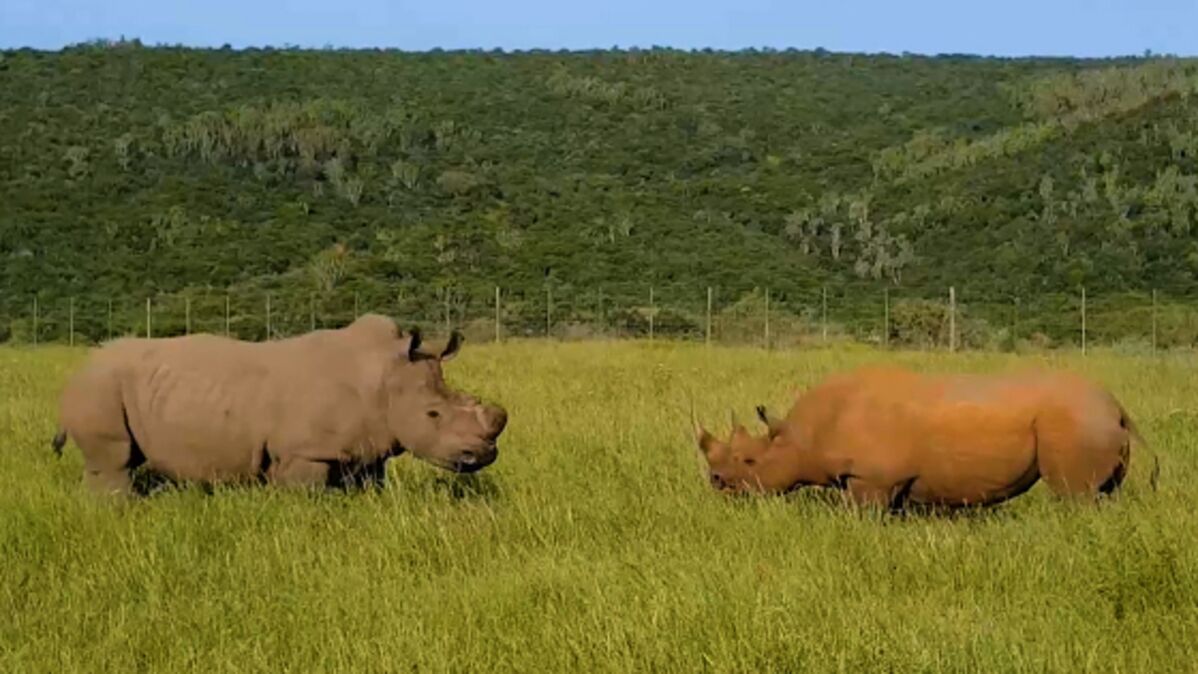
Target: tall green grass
[(593, 545)]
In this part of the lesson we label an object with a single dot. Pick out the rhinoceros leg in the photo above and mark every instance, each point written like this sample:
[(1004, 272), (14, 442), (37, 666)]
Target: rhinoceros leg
[(365, 474), (119, 482), (99, 424), (1081, 459), (296, 472), (370, 474), (871, 493), (109, 460)]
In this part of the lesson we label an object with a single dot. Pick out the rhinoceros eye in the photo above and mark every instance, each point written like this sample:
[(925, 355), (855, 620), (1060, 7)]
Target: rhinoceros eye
[(433, 414), (750, 461)]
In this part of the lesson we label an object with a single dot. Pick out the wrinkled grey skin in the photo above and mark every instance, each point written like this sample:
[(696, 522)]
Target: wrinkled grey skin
[(326, 408)]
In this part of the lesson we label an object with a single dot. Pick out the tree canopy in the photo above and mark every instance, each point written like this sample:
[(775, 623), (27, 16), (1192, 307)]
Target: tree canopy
[(128, 172)]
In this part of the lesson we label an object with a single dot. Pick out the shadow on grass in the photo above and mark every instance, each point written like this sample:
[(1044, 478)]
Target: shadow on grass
[(148, 484), (471, 487), (833, 501)]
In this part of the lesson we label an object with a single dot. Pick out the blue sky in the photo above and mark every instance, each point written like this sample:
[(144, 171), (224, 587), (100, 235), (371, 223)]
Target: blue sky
[(991, 27)]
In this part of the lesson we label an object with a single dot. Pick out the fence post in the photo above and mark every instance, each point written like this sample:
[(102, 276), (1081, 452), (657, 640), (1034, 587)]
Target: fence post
[(886, 317), (650, 313), (1154, 321), (71, 322), (497, 317), (824, 313), (709, 315), (1015, 323), (268, 326), (602, 314), (227, 320), (767, 319), (1083, 320), (35, 320), (952, 319), (149, 318)]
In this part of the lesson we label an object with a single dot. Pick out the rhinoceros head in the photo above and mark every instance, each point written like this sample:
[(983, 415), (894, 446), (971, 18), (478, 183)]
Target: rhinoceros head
[(745, 463), (448, 428)]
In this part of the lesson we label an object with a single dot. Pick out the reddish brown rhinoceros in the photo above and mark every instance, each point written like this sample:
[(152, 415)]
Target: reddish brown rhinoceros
[(325, 408), (892, 437)]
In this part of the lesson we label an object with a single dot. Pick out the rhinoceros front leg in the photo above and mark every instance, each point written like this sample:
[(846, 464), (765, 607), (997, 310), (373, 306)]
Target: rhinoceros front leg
[(371, 474), (366, 474)]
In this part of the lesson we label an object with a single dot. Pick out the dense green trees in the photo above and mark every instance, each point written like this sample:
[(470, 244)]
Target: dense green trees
[(417, 182)]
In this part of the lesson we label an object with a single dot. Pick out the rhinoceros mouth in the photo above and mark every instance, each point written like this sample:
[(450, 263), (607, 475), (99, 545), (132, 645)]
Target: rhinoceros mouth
[(470, 460)]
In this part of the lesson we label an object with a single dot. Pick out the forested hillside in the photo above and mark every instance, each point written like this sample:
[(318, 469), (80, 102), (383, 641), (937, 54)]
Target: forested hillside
[(408, 182)]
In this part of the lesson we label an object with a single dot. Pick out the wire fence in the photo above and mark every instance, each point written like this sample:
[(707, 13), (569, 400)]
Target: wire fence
[(889, 317)]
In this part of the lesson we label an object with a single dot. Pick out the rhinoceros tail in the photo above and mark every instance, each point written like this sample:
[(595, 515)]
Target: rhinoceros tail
[(1126, 422), (60, 440)]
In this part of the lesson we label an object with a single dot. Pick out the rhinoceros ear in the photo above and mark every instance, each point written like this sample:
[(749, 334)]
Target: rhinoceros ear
[(414, 344), (455, 344), (774, 425), (738, 429), (703, 438)]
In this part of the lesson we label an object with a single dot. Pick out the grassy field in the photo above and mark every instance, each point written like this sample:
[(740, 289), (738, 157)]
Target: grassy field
[(593, 545)]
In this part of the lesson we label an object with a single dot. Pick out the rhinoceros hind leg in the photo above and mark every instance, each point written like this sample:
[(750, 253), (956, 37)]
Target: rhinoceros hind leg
[(298, 473), (109, 481), (1076, 466), (108, 463), (1113, 482)]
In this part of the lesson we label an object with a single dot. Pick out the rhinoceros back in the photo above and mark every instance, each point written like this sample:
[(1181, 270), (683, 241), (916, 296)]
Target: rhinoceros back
[(194, 406)]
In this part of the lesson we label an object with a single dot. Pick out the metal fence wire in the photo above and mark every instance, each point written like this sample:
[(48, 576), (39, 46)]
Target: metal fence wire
[(888, 316)]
